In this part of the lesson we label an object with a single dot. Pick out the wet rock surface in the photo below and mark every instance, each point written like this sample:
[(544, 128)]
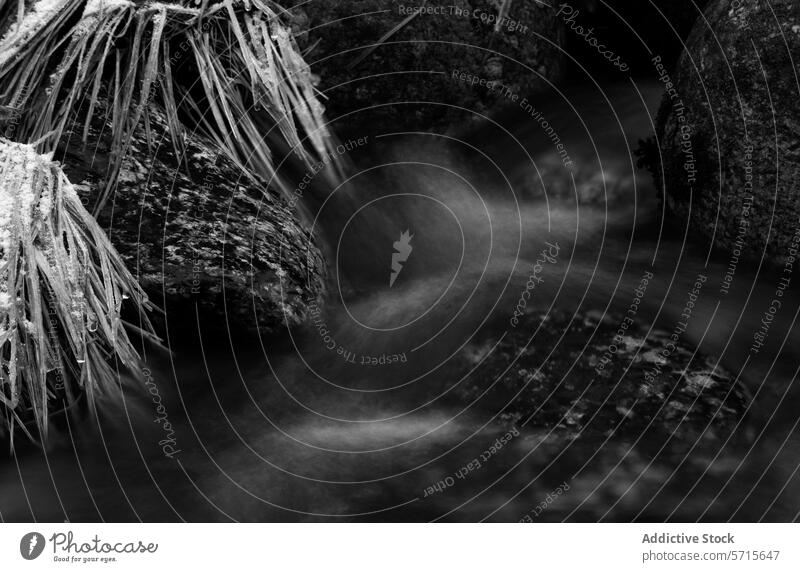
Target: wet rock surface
[(596, 435), (729, 131), (199, 233), (576, 380), (416, 63)]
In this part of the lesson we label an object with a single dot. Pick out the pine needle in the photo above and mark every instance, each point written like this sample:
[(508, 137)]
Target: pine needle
[(58, 62), (62, 287)]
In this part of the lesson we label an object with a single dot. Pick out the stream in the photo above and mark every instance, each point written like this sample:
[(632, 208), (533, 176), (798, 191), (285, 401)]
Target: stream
[(356, 417)]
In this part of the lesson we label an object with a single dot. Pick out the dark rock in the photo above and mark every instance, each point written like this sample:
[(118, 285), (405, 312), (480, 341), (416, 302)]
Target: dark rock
[(417, 62), (200, 231), (597, 436), (645, 389), (734, 119)]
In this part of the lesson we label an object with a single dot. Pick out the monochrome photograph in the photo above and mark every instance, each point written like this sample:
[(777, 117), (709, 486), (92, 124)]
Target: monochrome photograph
[(366, 261)]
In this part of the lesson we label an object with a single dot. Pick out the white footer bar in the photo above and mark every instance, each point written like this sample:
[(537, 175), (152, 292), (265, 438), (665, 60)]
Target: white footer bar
[(399, 547)]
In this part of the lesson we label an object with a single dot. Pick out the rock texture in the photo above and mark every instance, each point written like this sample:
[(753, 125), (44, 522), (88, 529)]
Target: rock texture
[(200, 231), (416, 63), (644, 388), (603, 438), (730, 132)]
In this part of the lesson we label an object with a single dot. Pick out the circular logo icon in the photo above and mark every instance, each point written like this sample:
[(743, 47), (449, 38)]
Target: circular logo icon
[(31, 545)]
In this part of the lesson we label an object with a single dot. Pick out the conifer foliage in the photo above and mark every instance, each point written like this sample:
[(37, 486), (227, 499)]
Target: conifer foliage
[(62, 286)]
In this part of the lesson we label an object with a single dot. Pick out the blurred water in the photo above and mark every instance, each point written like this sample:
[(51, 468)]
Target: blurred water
[(352, 417)]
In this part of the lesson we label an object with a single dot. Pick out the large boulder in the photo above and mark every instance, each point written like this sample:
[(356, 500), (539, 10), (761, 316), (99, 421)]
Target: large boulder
[(584, 377), (609, 425), (199, 231), (416, 63), (728, 129)]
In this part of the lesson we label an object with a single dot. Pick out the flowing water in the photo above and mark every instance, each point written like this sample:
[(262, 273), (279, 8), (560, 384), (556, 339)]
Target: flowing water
[(354, 416)]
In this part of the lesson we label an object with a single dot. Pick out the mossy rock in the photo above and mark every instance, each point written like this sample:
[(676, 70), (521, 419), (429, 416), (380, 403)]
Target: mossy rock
[(199, 232), (728, 134), (595, 386), (416, 63)]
